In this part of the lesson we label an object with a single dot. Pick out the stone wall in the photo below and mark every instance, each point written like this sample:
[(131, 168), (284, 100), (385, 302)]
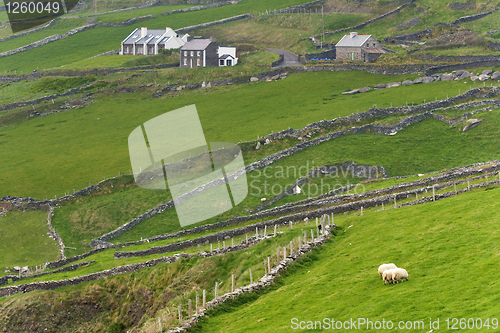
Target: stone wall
[(31, 31), (466, 65), (265, 281), (330, 54), (50, 285), (473, 17), (64, 269), (7, 291), (414, 36), (209, 24), (192, 9), (278, 62), (304, 5), (132, 223), (53, 233)]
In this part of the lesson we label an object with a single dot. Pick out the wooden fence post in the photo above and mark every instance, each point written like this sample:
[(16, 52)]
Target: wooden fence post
[(251, 278), (216, 293), (180, 314), (232, 283), (204, 298), (197, 304), (190, 308)]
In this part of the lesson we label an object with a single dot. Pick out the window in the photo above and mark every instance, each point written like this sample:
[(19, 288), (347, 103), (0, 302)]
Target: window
[(198, 62), (229, 62), (192, 53), (185, 62), (221, 62), (198, 53), (185, 53), (373, 44)]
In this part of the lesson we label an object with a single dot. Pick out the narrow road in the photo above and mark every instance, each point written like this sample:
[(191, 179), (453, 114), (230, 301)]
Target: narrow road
[(290, 58)]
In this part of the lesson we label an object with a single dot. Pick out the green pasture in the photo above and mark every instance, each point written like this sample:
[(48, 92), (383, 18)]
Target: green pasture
[(95, 137), (449, 248)]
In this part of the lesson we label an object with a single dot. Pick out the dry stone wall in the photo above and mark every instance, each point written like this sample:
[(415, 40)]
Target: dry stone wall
[(209, 24), (50, 285), (192, 9), (8, 291), (473, 17), (265, 281)]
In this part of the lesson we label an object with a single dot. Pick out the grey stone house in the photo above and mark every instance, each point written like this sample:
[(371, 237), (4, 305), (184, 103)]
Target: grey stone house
[(359, 48), (199, 53)]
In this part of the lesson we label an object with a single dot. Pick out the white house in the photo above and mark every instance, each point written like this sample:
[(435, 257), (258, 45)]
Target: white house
[(150, 41), (227, 56)]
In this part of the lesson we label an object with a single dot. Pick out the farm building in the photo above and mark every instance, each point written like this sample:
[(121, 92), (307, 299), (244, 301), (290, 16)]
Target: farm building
[(206, 52), (359, 48), (150, 41)]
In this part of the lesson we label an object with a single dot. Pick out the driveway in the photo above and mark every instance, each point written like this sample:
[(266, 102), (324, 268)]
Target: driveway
[(290, 58)]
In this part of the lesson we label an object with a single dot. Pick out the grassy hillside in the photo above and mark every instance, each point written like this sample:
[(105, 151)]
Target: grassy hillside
[(95, 143), (449, 248), (441, 244)]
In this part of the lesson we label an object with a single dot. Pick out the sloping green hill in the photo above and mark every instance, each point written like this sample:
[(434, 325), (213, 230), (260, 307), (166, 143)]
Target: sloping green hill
[(450, 249)]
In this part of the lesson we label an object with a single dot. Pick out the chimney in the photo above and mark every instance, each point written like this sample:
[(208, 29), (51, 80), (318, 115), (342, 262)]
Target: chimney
[(144, 31), (213, 39), (353, 34)]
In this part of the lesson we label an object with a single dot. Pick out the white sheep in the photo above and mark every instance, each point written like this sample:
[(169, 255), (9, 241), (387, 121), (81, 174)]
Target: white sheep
[(399, 274), (387, 275), (385, 267)]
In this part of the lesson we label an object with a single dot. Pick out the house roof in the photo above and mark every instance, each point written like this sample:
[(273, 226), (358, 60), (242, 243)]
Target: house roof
[(355, 41), (225, 56), (136, 37), (196, 44)]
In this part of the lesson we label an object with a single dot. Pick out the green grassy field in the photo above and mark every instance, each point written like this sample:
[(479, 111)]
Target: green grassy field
[(24, 240), (95, 142), (449, 248)]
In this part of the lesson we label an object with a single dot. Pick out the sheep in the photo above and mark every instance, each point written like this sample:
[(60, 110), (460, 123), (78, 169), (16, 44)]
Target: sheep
[(399, 274), (387, 275), (385, 267)]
